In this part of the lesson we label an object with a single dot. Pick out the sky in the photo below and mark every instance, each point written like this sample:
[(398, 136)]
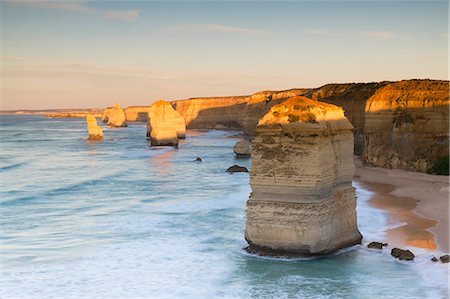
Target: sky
[(86, 54)]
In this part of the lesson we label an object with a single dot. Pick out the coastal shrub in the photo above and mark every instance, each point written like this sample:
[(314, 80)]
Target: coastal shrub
[(440, 166), (292, 118)]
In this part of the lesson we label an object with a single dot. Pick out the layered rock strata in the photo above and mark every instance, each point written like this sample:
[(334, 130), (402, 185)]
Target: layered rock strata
[(165, 125), (407, 125), (137, 113), (114, 116), (302, 200), (94, 130)]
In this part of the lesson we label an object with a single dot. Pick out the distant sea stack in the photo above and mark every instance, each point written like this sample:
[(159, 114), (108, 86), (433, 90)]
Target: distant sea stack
[(165, 125), (407, 125), (302, 200), (94, 130), (114, 116)]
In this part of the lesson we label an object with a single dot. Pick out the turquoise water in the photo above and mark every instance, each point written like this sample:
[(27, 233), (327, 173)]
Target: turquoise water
[(118, 219)]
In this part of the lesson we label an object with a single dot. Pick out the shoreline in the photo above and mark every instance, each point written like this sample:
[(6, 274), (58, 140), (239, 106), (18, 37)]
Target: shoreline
[(417, 202)]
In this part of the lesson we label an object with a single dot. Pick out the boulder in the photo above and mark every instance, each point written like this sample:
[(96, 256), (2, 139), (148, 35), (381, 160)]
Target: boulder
[(94, 130), (445, 259), (236, 168), (243, 149), (165, 125), (376, 245), (434, 259), (302, 200), (198, 159), (402, 254), (115, 116)]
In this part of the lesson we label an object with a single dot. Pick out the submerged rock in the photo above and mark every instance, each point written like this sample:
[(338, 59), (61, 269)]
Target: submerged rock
[(243, 149), (94, 130), (115, 116), (376, 245), (237, 168), (302, 200), (165, 125), (445, 259), (402, 254)]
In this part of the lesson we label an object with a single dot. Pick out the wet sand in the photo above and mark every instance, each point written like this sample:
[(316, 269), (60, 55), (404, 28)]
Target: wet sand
[(417, 204)]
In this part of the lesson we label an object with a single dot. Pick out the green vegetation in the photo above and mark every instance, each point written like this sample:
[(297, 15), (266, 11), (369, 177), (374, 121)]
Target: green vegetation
[(440, 166)]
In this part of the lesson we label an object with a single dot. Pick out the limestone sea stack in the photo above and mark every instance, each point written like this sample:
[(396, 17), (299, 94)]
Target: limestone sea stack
[(94, 130), (165, 125), (242, 149), (115, 116), (302, 200)]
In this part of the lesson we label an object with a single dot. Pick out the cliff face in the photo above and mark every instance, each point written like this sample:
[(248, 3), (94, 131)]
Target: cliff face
[(302, 200), (240, 112), (352, 97), (396, 124), (407, 125), (212, 113), (137, 113)]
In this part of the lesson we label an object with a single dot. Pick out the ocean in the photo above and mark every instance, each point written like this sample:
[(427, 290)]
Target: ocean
[(120, 219)]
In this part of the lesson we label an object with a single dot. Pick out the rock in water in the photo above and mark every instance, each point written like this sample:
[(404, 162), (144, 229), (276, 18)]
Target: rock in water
[(243, 149), (302, 200), (237, 168), (434, 259), (402, 254), (94, 130), (445, 259), (165, 125), (115, 116), (376, 245)]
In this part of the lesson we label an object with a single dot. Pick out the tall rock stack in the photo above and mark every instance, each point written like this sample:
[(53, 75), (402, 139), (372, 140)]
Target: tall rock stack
[(94, 130), (115, 116), (165, 125), (302, 200)]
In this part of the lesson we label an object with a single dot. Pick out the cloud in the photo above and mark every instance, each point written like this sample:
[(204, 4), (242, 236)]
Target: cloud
[(127, 15), (218, 28), (382, 35), (80, 7), (315, 31)]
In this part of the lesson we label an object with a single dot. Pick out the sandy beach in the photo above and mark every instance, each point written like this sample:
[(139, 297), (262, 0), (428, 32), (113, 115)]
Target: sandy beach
[(417, 202)]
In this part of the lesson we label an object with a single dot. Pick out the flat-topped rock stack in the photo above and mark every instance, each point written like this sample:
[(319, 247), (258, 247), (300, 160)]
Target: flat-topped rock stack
[(165, 125), (302, 200), (94, 130), (114, 116)]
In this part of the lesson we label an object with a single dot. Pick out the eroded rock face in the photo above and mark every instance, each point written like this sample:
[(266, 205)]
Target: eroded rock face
[(165, 125), (115, 116), (242, 149), (302, 200), (94, 130), (137, 113), (406, 125)]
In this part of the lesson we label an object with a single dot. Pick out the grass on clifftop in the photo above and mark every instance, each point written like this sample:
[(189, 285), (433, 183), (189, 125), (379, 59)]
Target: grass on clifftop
[(440, 166)]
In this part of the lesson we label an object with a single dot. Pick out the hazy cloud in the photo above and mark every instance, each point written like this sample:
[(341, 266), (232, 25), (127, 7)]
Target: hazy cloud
[(79, 7), (383, 35), (127, 15), (218, 28), (315, 31)]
